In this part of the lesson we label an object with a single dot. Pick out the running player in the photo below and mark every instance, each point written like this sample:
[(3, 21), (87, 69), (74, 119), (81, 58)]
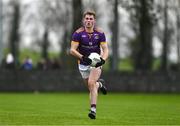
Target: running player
[(85, 40)]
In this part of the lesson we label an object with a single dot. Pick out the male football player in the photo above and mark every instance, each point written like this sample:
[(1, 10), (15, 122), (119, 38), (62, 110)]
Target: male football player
[(85, 40)]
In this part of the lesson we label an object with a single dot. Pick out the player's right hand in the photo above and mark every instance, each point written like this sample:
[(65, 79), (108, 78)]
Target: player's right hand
[(87, 60)]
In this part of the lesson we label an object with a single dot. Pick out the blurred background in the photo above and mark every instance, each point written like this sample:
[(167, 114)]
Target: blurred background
[(143, 38)]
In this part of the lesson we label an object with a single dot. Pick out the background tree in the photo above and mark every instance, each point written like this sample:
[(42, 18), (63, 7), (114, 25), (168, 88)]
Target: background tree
[(14, 33), (52, 21), (165, 51), (142, 46), (168, 35), (45, 45), (1, 32), (178, 31), (115, 43), (77, 13), (65, 58), (58, 20)]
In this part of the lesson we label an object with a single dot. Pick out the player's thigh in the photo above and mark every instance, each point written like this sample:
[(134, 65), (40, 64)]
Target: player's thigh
[(86, 81), (95, 74)]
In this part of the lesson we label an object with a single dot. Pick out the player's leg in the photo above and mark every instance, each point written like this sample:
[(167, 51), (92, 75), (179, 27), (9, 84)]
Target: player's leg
[(85, 75), (93, 86), (90, 77), (102, 86)]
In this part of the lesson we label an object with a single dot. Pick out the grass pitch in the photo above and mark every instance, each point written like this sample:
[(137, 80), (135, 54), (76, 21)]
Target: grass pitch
[(72, 109)]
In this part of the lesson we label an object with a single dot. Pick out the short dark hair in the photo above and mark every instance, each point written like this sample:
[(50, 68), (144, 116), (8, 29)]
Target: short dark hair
[(89, 12)]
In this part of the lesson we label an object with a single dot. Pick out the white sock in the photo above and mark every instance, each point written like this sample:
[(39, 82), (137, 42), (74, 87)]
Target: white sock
[(100, 84), (93, 109)]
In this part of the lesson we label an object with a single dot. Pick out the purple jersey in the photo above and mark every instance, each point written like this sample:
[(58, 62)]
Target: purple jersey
[(88, 42)]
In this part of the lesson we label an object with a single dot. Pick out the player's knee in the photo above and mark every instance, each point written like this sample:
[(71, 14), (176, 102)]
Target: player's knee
[(91, 84)]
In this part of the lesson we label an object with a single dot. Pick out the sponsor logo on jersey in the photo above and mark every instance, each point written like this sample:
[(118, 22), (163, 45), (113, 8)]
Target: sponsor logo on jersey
[(84, 36)]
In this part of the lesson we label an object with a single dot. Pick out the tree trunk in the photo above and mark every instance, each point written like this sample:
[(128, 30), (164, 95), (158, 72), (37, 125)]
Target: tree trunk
[(14, 36), (178, 33), (164, 57), (115, 42), (144, 55), (77, 14), (1, 33), (45, 45)]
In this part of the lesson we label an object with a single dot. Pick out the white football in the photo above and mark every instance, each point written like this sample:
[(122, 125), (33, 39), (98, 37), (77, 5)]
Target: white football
[(95, 57)]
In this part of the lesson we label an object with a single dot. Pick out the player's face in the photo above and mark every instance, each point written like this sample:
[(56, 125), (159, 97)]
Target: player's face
[(89, 21)]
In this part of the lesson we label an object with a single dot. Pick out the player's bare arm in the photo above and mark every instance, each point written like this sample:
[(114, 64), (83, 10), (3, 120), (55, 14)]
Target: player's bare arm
[(105, 51), (73, 50)]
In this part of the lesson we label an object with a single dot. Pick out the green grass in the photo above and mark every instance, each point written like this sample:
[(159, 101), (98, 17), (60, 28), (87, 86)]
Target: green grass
[(72, 109)]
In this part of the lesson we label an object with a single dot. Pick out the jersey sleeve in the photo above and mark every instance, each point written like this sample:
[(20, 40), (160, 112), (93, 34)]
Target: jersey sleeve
[(102, 38), (75, 37)]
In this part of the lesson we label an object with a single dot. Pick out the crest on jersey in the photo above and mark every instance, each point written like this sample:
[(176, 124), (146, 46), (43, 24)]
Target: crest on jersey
[(96, 37)]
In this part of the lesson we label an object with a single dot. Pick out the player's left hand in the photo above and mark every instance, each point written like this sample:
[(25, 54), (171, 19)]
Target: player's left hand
[(100, 63), (87, 60)]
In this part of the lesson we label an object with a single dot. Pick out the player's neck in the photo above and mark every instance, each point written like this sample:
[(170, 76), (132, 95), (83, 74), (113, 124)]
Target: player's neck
[(89, 30)]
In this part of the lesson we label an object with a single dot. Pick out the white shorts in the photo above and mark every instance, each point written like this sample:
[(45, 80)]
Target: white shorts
[(84, 70)]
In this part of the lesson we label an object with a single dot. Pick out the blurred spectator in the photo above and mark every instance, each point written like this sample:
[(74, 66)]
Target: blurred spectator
[(27, 64), (44, 64), (56, 64), (41, 64), (48, 64), (9, 61)]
